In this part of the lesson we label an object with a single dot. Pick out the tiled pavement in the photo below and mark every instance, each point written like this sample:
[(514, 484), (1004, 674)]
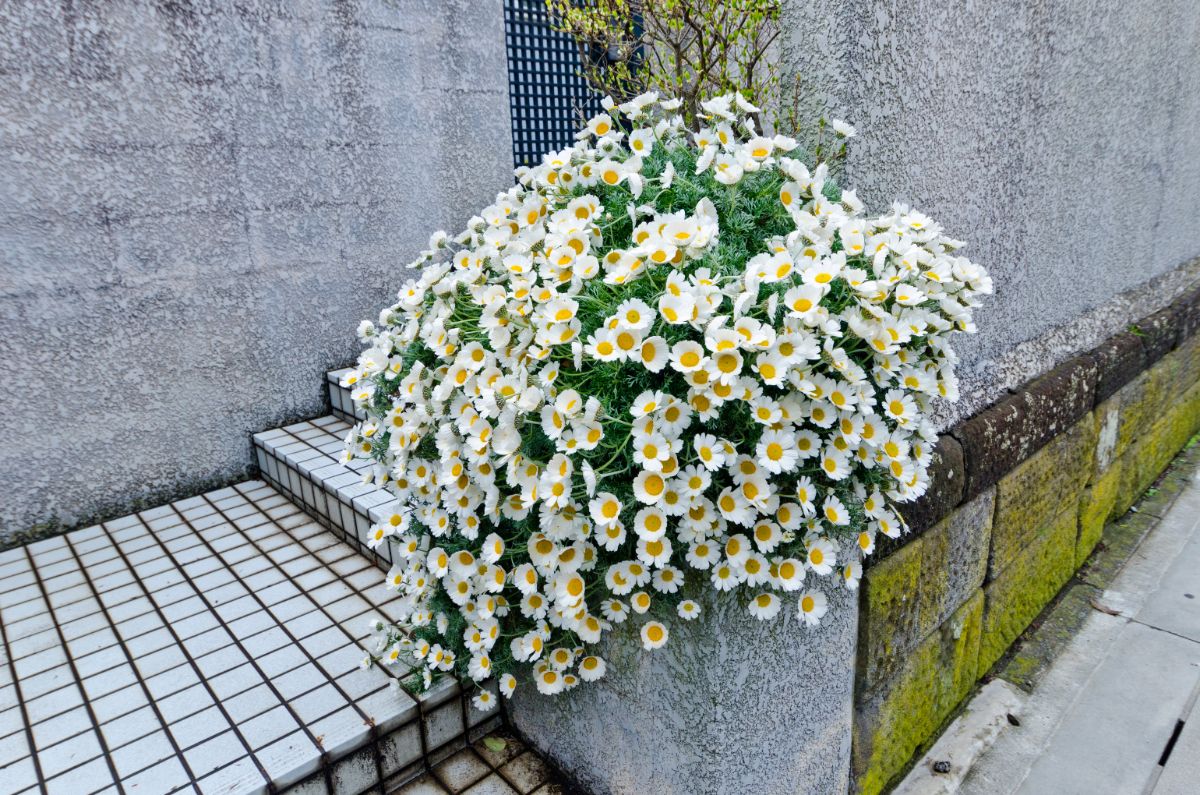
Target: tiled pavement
[(497, 765), (209, 645)]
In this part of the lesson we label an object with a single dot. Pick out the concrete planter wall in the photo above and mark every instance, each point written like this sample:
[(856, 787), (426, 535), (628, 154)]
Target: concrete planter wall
[(1020, 495), (729, 705)]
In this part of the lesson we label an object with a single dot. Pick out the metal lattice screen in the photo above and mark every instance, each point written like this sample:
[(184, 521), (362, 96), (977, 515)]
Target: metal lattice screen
[(546, 93)]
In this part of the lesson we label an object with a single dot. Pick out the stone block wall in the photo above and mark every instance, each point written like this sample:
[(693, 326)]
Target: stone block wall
[(1020, 496)]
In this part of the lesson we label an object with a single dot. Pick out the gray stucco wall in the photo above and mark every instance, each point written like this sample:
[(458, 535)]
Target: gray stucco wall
[(200, 201), (1060, 138)]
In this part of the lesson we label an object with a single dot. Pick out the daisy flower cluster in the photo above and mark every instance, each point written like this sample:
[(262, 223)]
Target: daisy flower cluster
[(665, 360)]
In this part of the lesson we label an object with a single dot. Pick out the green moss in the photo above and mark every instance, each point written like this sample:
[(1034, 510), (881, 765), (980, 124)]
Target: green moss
[(1037, 649), (908, 594), (1152, 452), (1028, 584), (890, 726), (1032, 496), (890, 612), (1096, 507)]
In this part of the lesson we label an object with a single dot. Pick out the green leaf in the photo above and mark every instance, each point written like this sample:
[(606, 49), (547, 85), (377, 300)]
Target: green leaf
[(494, 744)]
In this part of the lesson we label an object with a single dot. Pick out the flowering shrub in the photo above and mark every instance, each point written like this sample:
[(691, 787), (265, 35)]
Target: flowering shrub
[(662, 356)]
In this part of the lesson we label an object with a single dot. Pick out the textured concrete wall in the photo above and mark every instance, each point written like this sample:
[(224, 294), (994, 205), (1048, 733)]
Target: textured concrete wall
[(729, 706), (200, 200), (1058, 137)]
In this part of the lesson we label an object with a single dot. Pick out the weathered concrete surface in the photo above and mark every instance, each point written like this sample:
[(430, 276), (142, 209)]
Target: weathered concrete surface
[(200, 201), (729, 705), (1073, 173)]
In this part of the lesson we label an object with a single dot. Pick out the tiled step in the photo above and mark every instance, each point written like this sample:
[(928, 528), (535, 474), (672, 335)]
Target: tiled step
[(340, 400), (211, 645), (304, 462)]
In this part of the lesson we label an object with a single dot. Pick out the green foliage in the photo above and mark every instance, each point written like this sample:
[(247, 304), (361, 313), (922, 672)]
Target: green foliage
[(684, 48)]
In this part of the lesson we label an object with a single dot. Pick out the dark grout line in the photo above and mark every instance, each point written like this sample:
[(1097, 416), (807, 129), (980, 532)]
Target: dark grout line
[(37, 765), (141, 682), (1163, 629), (179, 641), (333, 680), (87, 703)]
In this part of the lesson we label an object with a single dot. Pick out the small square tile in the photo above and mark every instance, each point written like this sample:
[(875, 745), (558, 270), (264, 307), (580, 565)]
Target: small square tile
[(61, 727), (85, 625), (340, 732), (69, 753), (214, 640), (195, 729), (250, 703), (291, 759), (130, 727), (54, 703), (232, 682), (220, 751), (169, 682), (492, 785), (326, 641), (86, 778), (21, 774), (298, 681), (36, 652), (145, 644), (98, 663), (142, 753), (239, 776), (109, 681), (186, 702), (263, 643), (401, 748), (166, 776), (159, 661), (318, 703), (45, 682), (221, 660), (282, 660), (527, 772), (268, 727), (94, 641), (461, 770), (117, 703), (13, 746)]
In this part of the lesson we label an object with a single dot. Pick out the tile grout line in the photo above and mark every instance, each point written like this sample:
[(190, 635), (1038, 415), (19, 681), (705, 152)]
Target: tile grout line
[(298, 500), (202, 611), (372, 564), (165, 725), (373, 731), (87, 703), (37, 765), (291, 635), (179, 641), (426, 752), (350, 537)]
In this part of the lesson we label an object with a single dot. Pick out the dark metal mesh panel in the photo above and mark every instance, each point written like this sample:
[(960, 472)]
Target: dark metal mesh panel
[(546, 93)]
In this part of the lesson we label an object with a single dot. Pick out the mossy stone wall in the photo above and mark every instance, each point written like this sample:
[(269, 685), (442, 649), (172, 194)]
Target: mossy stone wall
[(1022, 492)]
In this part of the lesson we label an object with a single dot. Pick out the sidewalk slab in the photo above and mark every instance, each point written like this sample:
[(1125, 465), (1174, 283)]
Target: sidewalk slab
[(1181, 775), (1175, 607), (1112, 738)]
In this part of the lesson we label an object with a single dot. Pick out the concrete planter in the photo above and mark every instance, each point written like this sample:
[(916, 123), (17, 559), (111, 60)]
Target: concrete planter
[(729, 705)]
